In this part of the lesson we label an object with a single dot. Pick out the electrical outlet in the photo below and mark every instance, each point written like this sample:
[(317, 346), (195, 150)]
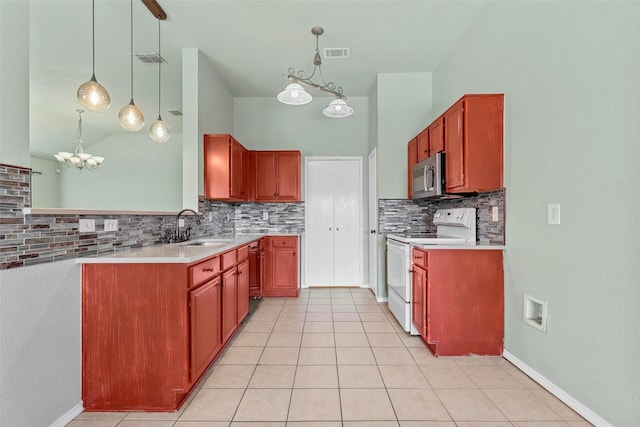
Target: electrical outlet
[(110, 225), (553, 213), (181, 222), (87, 225), (265, 215), (210, 216), (494, 214)]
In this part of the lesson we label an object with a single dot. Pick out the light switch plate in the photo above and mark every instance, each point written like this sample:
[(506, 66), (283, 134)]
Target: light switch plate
[(553, 213), (87, 225), (265, 215), (494, 214), (110, 225)]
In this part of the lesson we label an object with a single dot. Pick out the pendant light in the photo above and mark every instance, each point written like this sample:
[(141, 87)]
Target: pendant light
[(91, 94), (159, 130), (130, 116)]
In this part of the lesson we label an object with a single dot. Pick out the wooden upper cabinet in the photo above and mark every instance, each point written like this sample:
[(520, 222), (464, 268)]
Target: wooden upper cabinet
[(226, 168), (412, 159), (423, 145), (473, 133), (436, 136), (277, 176)]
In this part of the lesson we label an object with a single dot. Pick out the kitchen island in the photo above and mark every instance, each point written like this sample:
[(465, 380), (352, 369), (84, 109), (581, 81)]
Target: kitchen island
[(155, 318)]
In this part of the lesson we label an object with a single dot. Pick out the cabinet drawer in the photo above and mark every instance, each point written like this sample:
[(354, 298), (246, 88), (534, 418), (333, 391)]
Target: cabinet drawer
[(283, 241), (243, 253), (229, 259), (419, 258), (204, 271)]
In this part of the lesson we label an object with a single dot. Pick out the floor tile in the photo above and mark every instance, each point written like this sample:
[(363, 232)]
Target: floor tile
[(202, 424), (283, 326), (263, 405), (490, 376), (355, 356), (251, 339), (542, 424), (417, 404), (252, 326), (359, 376), (351, 340), (368, 308), (254, 424), (313, 424), (319, 308), (318, 339), (466, 404), (378, 327), (241, 356), (348, 327), (318, 327), (446, 376), (421, 355), (399, 376), (370, 424), (317, 356), (556, 405), (229, 376), (212, 404), (292, 317), (272, 376), (294, 308), (346, 317), (315, 405), (284, 339), (316, 376), (320, 301), (392, 356), (373, 317), (343, 308), (366, 404), (92, 423), (432, 424), (153, 416), (279, 356), (385, 340), (145, 423), (521, 405), (319, 317)]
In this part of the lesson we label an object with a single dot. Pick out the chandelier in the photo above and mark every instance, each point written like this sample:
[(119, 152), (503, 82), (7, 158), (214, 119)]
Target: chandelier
[(78, 159), (295, 94)]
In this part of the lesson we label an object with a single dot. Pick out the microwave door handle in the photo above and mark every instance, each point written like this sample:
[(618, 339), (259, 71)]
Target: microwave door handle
[(433, 180), (424, 178)]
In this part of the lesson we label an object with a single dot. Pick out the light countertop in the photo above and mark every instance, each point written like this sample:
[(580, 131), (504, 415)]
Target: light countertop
[(179, 253), (462, 247)]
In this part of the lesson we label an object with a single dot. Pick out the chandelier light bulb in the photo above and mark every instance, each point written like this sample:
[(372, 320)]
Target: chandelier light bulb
[(294, 94), (93, 96), (131, 117), (159, 131), (337, 109)]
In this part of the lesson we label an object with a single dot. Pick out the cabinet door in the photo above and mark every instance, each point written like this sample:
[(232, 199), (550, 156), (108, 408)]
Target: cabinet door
[(217, 169), (436, 136), (454, 146), (281, 275), (265, 176), (243, 290), (423, 145), (229, 303), (239, 163), (412, 159), (288, 176), (418, 299), (206, 341)]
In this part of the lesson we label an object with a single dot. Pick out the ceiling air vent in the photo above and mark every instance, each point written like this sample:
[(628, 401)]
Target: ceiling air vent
[(336, 52), (176, 112), (150, 57)]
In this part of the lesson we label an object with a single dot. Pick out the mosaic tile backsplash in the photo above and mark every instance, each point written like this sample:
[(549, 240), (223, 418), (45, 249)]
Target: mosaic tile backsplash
[(400, 216)]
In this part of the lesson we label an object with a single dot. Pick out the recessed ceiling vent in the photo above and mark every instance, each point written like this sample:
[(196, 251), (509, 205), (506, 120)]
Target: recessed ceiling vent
[(336, 52), (150, 57)]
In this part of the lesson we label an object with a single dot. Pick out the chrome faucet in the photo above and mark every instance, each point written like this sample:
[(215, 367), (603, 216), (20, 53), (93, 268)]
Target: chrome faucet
[(187, 233)]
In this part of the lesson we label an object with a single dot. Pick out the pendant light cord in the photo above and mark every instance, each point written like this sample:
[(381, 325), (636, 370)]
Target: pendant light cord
[(159, 68), (131, 50), (93, 35)]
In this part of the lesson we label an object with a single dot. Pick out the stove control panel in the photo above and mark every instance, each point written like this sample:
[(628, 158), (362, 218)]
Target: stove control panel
[(457, 217)]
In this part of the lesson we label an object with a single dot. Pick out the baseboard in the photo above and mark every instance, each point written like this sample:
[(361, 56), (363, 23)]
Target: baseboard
[(565, 397), (69, 416), (382, 299)]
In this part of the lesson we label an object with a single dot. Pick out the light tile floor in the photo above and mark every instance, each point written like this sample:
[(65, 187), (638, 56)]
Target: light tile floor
[(334, 357)]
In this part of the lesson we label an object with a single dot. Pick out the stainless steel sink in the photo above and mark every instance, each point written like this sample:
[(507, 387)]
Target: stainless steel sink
[(204, 243)]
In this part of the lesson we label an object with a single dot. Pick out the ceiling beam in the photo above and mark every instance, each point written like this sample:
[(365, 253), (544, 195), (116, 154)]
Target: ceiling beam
[(155, 9)]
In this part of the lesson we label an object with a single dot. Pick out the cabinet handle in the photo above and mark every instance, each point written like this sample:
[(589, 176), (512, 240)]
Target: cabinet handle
[(210, 270)]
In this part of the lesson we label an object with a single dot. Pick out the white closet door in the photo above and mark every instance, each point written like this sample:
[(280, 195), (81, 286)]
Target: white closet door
[(319, 232), (346, 214)]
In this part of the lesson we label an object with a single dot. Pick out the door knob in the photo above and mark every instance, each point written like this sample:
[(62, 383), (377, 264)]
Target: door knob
[(373, 231)]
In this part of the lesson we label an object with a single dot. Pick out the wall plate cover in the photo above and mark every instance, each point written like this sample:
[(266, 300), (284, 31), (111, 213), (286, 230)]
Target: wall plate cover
[(87, 225), (110, 225), (553, 213)]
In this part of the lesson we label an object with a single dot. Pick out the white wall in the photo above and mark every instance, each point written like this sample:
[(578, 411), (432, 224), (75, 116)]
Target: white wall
[(569, 71), (137, 174), (45, 183), (14, 83)]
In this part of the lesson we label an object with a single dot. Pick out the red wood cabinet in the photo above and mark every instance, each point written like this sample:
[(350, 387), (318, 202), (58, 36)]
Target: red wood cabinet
[(473, 129), (229, 282), (226, 168), (436, 136), (459, 301), (277, 176), (243, 291), (281, 267), (423, 145), (256, 255), (206, 338), (412, 159)]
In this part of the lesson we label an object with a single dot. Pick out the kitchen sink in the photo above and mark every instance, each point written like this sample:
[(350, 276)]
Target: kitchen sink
[(209, 244)]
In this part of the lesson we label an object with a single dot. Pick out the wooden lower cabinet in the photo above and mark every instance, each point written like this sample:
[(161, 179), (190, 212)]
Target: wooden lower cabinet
[(459, 301), (256, 261), (281, 267), (150, 331)]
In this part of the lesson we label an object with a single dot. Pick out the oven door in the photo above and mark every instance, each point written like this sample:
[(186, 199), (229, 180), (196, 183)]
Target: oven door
[(398, 275)]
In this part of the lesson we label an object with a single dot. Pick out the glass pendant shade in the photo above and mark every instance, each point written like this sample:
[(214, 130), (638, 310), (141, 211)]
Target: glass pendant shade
[(131, 117), (338, 108), (294, 94), (93, 96), (159, 131)]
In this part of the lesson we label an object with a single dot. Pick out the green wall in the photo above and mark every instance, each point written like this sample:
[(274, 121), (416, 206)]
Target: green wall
[(569, 71)]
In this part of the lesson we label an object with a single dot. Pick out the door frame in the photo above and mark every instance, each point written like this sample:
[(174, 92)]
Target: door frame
[(373, 216), (359, 159)]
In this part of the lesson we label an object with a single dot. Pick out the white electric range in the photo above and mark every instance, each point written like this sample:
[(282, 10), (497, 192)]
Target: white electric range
[(454, 227)]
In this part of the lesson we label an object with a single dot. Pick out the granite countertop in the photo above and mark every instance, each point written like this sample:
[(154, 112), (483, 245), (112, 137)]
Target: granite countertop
[(459, 247), (183, 252)]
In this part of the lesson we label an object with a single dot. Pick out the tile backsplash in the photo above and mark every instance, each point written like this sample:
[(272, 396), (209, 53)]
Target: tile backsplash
[(401, 215)]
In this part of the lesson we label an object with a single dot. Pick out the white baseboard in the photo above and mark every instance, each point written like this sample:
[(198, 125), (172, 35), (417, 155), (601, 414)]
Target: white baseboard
[(382, 299), (565, 397), (69, 416)]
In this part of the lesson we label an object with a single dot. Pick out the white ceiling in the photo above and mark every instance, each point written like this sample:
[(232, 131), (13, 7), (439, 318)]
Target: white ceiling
[(251, 44)]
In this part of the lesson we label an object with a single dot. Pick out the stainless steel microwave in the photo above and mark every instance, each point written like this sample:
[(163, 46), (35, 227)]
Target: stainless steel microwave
[(428, 177)]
